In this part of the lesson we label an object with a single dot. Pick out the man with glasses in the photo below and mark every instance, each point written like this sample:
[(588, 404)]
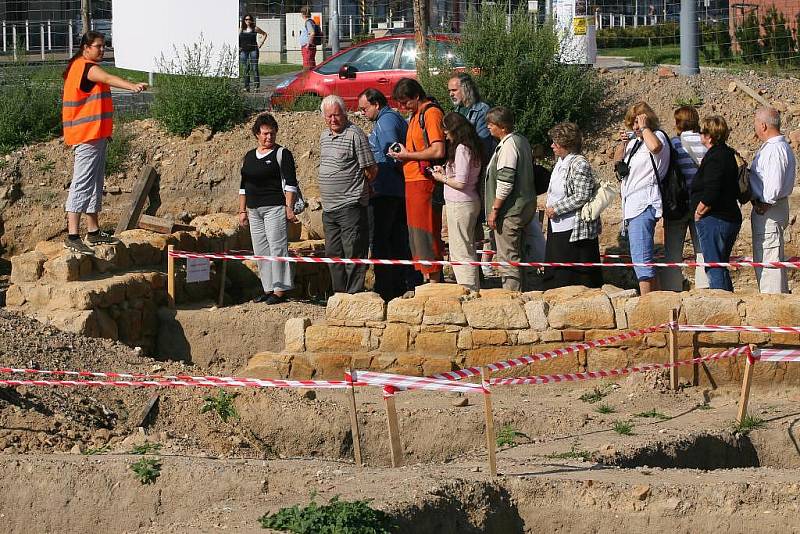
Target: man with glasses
[(387, 205)]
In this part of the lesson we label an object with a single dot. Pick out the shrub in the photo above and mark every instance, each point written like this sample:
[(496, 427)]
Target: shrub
[(119, 147), (506, 436), (30, 107), (747, 35), (147, 470), (200, 89), (519, 68), (336, 517), (778, 42), (655, 35), (222, 404)]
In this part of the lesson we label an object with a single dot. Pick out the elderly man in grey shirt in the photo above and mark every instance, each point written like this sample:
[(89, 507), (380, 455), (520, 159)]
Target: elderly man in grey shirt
[(346, 167)]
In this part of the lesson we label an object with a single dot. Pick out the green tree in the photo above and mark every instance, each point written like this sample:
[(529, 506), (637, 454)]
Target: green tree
[(777, 37), (747, 35)]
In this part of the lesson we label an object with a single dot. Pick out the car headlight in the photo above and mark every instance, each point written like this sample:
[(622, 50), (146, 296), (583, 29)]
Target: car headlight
[(285, 83)]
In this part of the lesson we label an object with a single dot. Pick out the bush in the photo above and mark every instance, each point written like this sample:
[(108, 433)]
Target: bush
[(30, 107), (778, 42), (747, 35), (656, 35), (336, 517), (520, 69), (119, 148), (199, 90)]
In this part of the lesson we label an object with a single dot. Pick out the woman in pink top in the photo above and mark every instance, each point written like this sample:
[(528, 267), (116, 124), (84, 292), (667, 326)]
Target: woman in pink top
[(460, 178)]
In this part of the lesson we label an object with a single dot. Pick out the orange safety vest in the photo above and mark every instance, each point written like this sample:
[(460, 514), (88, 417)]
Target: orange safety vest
[(85, 116)]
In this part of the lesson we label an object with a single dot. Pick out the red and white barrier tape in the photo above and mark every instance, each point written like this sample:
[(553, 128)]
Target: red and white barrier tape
[(739, 328), (776, 355), (430, 263), (589, 375), (415, 382)]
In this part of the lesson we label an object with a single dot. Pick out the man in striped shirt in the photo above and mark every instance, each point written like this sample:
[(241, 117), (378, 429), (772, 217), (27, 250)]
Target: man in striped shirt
[(346, 167)]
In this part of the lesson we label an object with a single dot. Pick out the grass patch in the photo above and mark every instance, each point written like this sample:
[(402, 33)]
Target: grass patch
[(573, 454), (336, 517), (305, 103), (272, 69), (692, 101), (147, 470), (596, 395), (506, 436), (605, 408), (222, 404), (146, 448), (119, 148), (652, 414), (91, 451), (748, 423), (624, 428)]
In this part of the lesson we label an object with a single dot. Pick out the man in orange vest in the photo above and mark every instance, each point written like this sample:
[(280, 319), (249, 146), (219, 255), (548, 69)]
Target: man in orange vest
[(87, 116)]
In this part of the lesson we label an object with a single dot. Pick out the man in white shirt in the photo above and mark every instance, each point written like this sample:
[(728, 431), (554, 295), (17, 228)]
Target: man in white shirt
[(772, 176)]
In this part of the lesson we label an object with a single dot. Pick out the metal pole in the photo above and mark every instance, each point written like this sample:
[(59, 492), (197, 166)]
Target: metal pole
[(333, 26), (150, 79), (49, 36), (689, 60), (14, 40), (5, 47), (69, 36), (27, 36), (41, 39), (636, 15), (350, 27)]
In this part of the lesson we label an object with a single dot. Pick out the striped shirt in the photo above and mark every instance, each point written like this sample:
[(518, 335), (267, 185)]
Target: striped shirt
[(689, 142), (343, 158)]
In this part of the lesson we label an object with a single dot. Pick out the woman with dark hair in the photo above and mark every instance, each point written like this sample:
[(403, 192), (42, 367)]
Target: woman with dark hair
[(87, 114), (569, 237), (248, 50), (715, 191), (460, 178), (266, 199)]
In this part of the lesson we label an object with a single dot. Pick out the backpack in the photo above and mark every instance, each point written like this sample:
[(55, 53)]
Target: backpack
[(743, 177), (316, 38), (299, 202), (674, 192), (438, 188)]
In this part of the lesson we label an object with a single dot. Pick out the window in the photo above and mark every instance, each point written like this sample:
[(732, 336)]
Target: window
[(442, 50), (374, 56), (333, 66), (408, 58)]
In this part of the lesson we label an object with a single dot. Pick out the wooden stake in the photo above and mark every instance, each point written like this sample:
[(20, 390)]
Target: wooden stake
[(170, 276), (744, 398), (491, 440), (673, 349), (139, 195), (354, 421), (394, 431), (222, 274)]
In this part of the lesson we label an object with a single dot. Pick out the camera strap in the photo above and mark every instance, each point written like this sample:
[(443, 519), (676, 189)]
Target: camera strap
[(636, 146)]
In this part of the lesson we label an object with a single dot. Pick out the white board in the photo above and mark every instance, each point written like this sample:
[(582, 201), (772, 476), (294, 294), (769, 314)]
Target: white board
[(146, 29)]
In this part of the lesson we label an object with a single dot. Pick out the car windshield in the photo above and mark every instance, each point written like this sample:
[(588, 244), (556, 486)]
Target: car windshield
[(442, 49), (373, 56)]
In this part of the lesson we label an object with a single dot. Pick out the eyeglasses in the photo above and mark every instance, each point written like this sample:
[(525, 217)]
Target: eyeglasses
[(96, 46), (248, 20)]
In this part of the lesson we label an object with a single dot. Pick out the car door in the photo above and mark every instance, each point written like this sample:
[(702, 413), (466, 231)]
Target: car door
[(371, 67)]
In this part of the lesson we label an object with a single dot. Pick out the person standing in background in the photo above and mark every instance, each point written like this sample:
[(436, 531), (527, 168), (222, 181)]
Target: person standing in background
[(248, 51), (308, 39), (772, 176)]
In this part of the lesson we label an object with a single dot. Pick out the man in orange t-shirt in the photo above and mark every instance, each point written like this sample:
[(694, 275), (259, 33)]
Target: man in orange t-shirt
[(425, 146)]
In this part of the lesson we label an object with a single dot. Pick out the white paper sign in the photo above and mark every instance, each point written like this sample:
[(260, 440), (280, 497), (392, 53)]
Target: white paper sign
[(144, 30), (198, 270)]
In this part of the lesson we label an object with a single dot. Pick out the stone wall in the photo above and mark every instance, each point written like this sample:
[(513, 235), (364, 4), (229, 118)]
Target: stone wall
[(442, 328)]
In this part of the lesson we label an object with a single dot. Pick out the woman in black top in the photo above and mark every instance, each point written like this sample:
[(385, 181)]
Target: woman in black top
[(266, 196), (248, 50), (715, 190)]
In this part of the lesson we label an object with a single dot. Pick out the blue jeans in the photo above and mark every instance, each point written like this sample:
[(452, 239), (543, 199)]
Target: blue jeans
[(640, 240), (248, 62), (717, 237)]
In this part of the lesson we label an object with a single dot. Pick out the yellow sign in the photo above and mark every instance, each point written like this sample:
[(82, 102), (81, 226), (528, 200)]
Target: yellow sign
[(579, 26)]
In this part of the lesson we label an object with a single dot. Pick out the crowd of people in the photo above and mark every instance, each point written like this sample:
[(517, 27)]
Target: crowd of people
[(383, 195)]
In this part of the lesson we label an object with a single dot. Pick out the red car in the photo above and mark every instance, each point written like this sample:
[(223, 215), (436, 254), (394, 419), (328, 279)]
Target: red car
[(377, 63)]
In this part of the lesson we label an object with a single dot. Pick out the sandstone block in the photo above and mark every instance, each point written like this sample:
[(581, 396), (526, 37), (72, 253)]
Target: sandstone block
[(773, 310), (495, 314), (409, 364), (360, 307), (37, 295), (652, 309), (536, 310), (136, 286), (718, 338), (106, 325), (83, 322), (294, 334), (526, 337), (443, 311), (590, 309), (395, 338), (408, 311), (145, 247), (51, 249), (301, 367), (73, 295), (499, 293), (756, 338), (572, 335), (432, 366), (267, 365), (63, 268), (440, 291), (129, 325), (607, 358), (323, 338), (15, 296), (27, 267), (111, 257), (465, 338), (550, 335), (330, 366), (489, 337), (436, 343), (712, 306)]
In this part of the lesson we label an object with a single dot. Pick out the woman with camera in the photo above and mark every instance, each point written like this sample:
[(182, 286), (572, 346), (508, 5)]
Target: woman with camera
[(460, 179), (641, 160), (714, 200), (569, 237)]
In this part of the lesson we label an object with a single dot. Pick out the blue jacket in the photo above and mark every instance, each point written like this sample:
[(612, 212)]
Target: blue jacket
[(390, 128), (476, 114)]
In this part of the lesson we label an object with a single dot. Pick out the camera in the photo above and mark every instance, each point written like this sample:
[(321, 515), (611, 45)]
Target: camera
[(395, 147), (428, 171), (622, 169)]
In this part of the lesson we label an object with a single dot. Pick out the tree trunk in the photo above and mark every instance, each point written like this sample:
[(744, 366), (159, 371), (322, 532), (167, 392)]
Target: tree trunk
[(85, 15), (420, 32)]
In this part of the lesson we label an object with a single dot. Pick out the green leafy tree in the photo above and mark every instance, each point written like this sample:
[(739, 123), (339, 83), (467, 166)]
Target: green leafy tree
[(747, 35), (777, 37)]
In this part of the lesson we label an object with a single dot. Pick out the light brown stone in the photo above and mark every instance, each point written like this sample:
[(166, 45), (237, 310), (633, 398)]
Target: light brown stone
[(323, 338), (63, 268), (440, 290), (773, 310), (550, 335), (106, 326), (435, 343), (718, 338), (394, 338), (294, 334), (526, 337), (656, 340), (712, 306), (499, 293), (443, 311), (607, 358), (83, 322), (572, 335), (301, 367), (489, 337), (15, 296), (495, 314), (652, 309), (465, 338), (267, 365), (589, 309), (536, 310), (330, 366), (756, 338), (27, 267), (409, 365), (50, 249), (408, 311), (432, 366), (111, 257), (360, 307)]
